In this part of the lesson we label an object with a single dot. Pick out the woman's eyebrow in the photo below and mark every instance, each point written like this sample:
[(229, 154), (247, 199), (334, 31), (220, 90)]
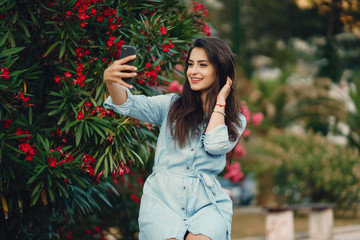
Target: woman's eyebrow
[(198, 60)]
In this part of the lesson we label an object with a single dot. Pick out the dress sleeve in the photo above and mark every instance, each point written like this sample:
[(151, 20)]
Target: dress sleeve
[(217, 140), (147, 109)]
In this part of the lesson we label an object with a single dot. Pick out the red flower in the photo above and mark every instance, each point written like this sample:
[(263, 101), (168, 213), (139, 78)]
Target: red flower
[(24, 99), (29, 150), (239, 151), (7, 123), (83, 16), (163, 30), (100, 18), (147, 65), (83, 24), (206, 30), (171, 45), (175, 86), (120, 43), (111, 41), (97, 229), (135, 198), (4, 73), (25, 147), (113, 26), (246, 133), (88, 164), (257, 119), (57, 78), (67, 74), (234, 172), (69, 158), (165, 47), (245, 111), (67, 14), (93, 11), (22, 132), (52, 161), (80, 115)]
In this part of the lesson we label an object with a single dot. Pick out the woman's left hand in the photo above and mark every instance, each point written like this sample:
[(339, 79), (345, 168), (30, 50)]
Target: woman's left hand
[(224, 92)]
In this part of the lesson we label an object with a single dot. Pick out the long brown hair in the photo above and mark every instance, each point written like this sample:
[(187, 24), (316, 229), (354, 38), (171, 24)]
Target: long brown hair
[(186, 113)]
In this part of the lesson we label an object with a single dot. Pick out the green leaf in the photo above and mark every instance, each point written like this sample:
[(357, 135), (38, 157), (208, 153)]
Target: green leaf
[(62, 50), (4, 38), (97, 129), (79, 134), (37, 189), (26, 30), (54, 45), (68, 126), (10, 51)]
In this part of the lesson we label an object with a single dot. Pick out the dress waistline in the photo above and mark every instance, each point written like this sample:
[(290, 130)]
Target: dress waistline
[(206, 180)]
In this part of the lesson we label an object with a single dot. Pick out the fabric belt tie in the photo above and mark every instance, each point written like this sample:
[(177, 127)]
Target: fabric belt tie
[(206, 181)]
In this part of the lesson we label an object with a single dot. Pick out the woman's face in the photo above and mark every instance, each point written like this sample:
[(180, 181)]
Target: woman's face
[(200, 73)]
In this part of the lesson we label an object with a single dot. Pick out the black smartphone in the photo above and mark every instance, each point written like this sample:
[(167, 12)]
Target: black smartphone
[(127, 50)]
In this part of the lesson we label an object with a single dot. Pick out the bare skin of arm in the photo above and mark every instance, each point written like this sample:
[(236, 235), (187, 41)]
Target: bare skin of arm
[(113, 78), (217, 118)]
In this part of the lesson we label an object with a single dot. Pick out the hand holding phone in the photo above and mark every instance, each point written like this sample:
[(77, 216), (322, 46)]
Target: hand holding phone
[(127, 50)]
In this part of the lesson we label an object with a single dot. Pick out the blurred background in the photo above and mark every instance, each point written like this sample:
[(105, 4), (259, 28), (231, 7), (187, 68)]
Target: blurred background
[(300, 85)]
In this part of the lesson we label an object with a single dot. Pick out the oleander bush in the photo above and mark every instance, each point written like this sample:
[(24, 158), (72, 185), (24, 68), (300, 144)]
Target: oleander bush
[(302, 168), (63, 156)]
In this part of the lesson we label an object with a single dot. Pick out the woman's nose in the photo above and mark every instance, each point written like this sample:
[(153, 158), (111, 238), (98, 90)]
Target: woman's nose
[(194, 70)]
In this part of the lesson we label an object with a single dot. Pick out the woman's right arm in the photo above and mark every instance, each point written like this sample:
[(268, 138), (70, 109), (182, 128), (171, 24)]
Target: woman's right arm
[(113, 77)]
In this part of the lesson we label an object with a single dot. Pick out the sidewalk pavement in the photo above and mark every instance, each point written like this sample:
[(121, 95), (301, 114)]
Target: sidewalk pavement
[(351, 232), (339, 233)]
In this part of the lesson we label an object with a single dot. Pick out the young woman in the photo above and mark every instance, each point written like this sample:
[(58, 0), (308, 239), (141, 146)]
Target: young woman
[(182, 198)]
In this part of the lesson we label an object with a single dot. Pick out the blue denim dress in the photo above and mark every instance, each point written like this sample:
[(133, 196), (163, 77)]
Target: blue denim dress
[(182, 193)]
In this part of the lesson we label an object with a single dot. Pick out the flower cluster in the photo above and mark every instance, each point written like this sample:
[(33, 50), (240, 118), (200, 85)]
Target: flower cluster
[(55, 154), (84, 12), (166, 47), (4, 73), (149, 76), (254, 119), (96, 111), (30, 151), (95, 232), (122, 170), (23, 132), (234, 172), (175, 86), (21, 97), (57, 133), (88, 163), (200, 12), (200, 9), (7, 123)]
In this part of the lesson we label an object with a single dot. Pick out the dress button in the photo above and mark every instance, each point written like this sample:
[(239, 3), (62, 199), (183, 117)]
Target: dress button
[(183, 209), (184, 219), (187, 168), (184, 187), (192, 149)]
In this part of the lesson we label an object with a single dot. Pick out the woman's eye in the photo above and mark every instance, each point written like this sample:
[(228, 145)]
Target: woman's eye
[(190, 64), (203, 65)]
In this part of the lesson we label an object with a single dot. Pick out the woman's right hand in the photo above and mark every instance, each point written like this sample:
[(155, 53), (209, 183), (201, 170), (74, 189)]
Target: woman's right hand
[(115, 72)]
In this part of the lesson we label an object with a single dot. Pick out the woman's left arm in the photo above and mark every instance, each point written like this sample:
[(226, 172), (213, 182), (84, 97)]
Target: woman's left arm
[(218, 115), (216, 140)]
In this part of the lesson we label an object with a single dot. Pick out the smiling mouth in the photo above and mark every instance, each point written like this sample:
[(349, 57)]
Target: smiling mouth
[(195, 80)]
